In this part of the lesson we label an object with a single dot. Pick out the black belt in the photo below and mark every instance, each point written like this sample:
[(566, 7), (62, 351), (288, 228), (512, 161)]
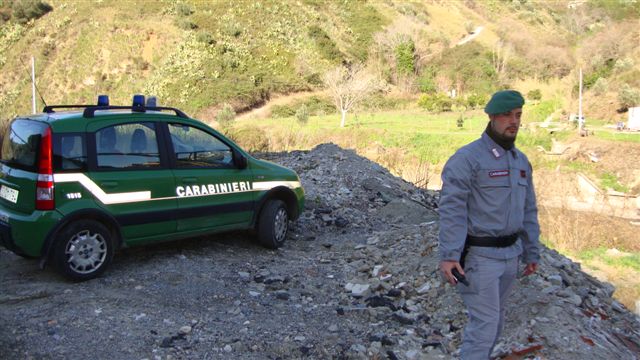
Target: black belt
[(490, 241), (498, 241)]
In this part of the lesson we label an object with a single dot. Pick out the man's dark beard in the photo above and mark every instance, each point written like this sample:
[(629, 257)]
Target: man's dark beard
[(504, 142)]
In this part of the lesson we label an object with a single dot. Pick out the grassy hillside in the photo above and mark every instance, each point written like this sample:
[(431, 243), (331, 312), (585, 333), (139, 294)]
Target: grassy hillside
[(198, 55)]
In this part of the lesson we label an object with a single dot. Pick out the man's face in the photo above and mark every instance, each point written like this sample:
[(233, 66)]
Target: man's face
[(506, 124)]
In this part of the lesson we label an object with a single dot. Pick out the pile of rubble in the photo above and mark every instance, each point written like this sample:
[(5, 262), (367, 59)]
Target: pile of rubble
[(390, 273)]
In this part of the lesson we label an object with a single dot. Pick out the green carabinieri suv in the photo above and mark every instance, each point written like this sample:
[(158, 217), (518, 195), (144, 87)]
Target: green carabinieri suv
[(80, 181)]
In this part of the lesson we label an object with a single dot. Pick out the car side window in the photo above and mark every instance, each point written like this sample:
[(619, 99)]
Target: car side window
[(196, 148), (69, 152), (127, 146)]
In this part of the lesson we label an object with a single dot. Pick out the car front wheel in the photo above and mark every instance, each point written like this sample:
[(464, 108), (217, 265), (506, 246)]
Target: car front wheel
[(83, 250), (273, 224)]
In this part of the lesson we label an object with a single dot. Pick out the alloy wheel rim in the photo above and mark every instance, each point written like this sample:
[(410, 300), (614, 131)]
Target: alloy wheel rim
[(86, 252), (281, 225)]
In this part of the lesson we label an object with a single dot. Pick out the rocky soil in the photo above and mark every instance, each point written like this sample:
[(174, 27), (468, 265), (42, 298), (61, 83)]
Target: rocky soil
[(357, 279)]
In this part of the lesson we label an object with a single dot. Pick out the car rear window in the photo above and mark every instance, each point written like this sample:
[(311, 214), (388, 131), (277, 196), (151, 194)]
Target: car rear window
[(69, 152), (21, 143)]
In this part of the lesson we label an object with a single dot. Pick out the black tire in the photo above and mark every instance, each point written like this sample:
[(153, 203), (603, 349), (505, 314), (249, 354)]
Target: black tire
[(83, 250), (273, 224)]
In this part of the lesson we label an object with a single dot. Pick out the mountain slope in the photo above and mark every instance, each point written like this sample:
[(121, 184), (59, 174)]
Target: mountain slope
[(201, 54)]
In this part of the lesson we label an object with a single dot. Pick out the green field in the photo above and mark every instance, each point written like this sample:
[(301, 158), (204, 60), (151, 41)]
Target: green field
[(428, 137)]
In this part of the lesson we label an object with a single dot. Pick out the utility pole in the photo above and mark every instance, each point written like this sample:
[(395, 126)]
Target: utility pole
[(581, 130), (33, 84)]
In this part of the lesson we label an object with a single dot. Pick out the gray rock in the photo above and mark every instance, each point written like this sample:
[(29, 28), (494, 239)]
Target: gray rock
[(282, 295), (555, 279)]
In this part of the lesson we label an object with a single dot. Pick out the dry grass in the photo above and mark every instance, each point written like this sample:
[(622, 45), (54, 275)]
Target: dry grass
[(574, 231), (579, 234), (627, 282)]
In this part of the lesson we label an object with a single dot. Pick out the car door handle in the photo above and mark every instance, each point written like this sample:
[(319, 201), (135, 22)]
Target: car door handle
[(189, 180), (109, 184)]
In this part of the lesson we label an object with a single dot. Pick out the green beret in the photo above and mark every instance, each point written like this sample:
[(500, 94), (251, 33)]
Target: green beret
[(504, 101)]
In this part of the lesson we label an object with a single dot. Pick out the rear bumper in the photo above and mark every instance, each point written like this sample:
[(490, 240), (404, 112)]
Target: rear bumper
[(26, 234), (6, 240)]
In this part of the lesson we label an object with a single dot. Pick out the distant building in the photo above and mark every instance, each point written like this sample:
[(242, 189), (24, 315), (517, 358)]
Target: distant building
[(634, 119)]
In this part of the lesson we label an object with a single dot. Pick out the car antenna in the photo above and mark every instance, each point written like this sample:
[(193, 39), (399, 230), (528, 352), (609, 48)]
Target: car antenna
[(33, 79)]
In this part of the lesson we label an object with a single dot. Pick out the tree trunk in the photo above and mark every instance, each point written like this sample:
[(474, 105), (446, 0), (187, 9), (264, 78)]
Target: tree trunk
[(344, 117)]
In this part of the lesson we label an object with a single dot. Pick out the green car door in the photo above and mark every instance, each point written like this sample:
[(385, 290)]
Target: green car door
[(132, 181), (213, 193)]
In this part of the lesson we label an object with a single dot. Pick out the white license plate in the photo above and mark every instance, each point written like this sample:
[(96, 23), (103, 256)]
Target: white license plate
[(8, 193)]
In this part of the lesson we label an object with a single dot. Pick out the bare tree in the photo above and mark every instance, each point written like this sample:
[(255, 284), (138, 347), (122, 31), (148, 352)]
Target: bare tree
[(500, 56), (349, 85)]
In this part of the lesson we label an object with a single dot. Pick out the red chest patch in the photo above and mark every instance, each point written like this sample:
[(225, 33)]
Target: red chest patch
[(523, 174), (498, 173)]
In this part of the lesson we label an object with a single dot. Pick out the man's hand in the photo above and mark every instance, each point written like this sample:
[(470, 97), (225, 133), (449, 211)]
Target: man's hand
[(530, 269), (446, 266)]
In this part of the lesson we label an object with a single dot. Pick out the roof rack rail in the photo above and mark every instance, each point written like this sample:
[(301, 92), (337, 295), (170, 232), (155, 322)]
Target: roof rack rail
[(90, 110), (50, 108)]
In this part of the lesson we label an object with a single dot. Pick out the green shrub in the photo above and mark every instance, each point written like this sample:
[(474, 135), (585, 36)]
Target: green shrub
[(426, 84), (225, 116), (364, 20), (326, 46), (320, 105), (186, 24), (534, 94), (469, 65), (302, 115), (474, 100), (25, 10), (205, 37), (601, 86), (602, 70), (314, 79), (405, 57), (436, 103), (282, 111), (233, 30), (252, 138), (539, 112), (379, 102), (628, 96), (623, 64), (183, 9)]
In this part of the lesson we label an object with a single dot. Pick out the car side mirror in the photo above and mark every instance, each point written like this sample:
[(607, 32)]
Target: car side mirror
[(239, 160)]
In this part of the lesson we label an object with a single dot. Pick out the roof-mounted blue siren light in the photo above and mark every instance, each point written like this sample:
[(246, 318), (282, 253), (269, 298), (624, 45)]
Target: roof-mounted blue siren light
[(138, 103), (103, 100), (152, 101)]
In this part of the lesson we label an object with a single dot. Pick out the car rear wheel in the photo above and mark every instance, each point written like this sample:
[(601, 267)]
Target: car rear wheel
[(273, 224), (83, 250)]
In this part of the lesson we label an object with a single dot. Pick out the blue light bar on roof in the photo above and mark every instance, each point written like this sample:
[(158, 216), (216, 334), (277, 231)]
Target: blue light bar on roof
[(152, 101), (103, 100), (138, 100)]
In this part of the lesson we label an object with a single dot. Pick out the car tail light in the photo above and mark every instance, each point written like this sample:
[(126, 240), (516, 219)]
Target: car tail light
[(44, 184)]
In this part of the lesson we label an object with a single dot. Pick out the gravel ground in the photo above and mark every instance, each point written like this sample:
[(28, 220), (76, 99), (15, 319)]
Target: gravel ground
[(357, 279)]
